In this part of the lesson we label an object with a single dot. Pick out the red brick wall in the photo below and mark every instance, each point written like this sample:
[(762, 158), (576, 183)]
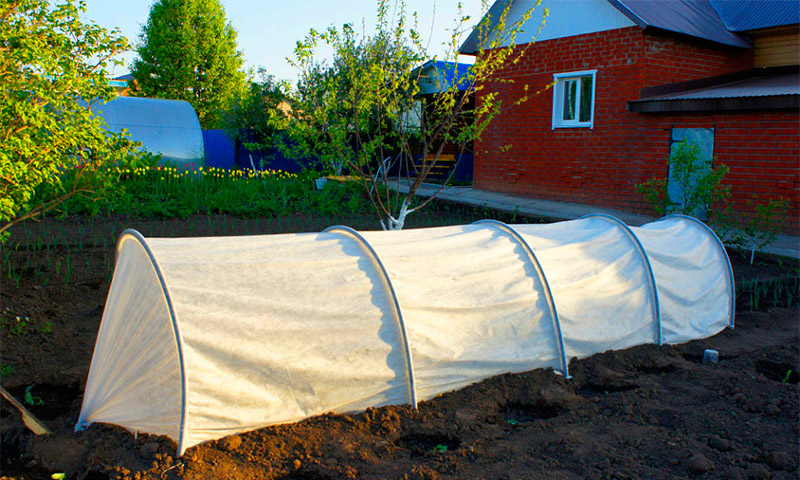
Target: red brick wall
[(522, 155), (669, 59)]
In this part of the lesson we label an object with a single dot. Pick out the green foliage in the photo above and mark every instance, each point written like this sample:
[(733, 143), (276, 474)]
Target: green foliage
[(703, 191), (699, 181), (30, 399), (757, 230), (770, 293), (168, 192), (187, 51), (353, 113), (256, 117), (51, 67), (17, 326)]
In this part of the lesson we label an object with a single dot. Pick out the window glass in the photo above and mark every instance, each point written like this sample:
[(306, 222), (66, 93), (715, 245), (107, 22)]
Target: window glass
[(570, 87), (585, 112)]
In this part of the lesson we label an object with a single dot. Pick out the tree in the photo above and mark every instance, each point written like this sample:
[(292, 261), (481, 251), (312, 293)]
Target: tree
[(257, 117), (52, 69), (187, 51), (351, 113)]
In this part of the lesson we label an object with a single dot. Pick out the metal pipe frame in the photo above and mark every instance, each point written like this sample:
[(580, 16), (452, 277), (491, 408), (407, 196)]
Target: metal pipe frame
[(363, 242)]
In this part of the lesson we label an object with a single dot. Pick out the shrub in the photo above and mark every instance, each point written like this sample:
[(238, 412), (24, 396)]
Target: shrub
[(699, 182)]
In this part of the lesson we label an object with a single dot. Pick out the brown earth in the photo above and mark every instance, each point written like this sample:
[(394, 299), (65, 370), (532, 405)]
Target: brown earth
[(648, 412)]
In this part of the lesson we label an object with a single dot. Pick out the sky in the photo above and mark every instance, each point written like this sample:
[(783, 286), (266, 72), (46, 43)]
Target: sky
[(269, 30)]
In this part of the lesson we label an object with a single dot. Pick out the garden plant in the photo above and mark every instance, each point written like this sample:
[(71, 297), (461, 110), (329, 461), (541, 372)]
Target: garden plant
[(354, 112), (52, 69), (704, 193)]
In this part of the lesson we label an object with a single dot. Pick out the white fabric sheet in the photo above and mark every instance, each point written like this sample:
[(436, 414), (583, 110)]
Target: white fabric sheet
[(273, 329)]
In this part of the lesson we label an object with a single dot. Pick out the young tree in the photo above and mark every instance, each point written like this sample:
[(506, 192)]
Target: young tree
[(352, 112), (52, 69), (699, 185), (257, 117), (187, 51)]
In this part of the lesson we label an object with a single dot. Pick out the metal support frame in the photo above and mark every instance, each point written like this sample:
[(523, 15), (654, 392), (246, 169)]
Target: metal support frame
[(363, 242), (176, 329), (638, 244), (724, 252), (542, 278)]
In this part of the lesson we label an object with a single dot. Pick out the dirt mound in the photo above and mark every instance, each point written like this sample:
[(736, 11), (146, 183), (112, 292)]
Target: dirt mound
[(648, 412)]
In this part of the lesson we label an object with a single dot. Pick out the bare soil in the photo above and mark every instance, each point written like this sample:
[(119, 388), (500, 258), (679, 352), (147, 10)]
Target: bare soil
[(648, 412)]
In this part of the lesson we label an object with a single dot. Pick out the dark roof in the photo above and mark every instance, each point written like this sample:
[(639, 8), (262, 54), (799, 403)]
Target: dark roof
[(744, 15), (714, 20), (766, 88), (696, 18), (470, 45), (125, 78)]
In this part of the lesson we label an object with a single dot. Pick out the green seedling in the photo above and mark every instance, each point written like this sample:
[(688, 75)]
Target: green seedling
[(18, 327), (440, 449), (30, 399), (14, 275), (786, 378), (5, 370), (512, 422), (46, 328)]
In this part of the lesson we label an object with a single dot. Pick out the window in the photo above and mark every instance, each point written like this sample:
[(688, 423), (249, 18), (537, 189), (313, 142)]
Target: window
[(573, 99), (412, 119)]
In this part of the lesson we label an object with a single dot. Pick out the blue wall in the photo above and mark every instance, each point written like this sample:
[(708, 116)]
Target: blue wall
[(222, 152), (219, 149)]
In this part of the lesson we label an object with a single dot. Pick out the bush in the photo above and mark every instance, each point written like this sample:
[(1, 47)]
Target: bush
[(52, 66), (700, 183)]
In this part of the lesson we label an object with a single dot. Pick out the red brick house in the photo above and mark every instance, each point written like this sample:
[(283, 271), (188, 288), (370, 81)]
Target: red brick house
[(630, 78)]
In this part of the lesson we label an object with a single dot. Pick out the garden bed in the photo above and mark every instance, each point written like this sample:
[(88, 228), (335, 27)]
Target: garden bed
[(646, 412)]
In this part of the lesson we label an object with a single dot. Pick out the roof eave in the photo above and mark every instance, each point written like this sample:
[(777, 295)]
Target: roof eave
[(735, 40), (628, 13), (772, 102), (647, 93), (470, 45)]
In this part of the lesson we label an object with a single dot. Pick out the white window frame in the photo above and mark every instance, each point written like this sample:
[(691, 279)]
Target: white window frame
[(560, 79)]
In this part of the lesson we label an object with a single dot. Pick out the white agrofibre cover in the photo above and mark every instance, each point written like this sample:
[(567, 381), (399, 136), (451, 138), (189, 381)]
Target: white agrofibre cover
[(206, 337)]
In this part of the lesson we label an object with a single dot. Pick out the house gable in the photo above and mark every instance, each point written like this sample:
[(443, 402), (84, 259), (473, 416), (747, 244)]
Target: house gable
[(567, 18), (709, 20)]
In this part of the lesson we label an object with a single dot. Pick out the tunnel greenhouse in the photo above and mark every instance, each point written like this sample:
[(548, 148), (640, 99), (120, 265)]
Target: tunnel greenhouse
[(206, 337)]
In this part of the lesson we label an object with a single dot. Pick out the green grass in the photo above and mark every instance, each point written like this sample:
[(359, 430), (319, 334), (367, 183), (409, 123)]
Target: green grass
[(170, 192)]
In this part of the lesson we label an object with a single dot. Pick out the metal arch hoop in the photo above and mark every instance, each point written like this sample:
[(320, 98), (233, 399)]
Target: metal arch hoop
[(724, 255), (643, 253), (361, 240), (175, 326), (540, 272)]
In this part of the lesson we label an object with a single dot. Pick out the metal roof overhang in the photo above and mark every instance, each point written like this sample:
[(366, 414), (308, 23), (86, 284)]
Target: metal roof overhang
[(756, 89), (775, 102)]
